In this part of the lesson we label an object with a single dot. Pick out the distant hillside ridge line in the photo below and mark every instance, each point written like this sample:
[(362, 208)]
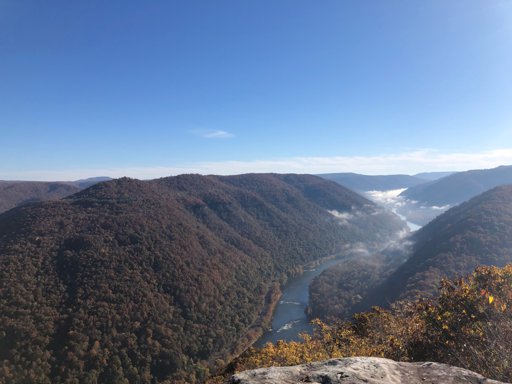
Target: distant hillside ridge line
[(459, 187), (365, 183), (16, 193), (477, 232)]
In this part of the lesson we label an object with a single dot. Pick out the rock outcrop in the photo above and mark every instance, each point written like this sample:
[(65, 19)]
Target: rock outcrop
[(359, 370)]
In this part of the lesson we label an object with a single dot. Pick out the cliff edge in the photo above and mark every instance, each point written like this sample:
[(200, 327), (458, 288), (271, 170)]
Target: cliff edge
[(359, 370)]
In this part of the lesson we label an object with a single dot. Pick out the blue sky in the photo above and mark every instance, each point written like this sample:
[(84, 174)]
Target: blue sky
[(147, 89)]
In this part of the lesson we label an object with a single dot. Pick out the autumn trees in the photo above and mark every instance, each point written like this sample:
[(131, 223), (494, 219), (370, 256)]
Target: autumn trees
[(159, 281)]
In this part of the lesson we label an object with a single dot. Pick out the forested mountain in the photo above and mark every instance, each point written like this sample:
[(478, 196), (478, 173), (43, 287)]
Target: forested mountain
[(459, 187), (16, 193), (337, 292), (158, 281), (478, 232), (86, 183), (363, 183)]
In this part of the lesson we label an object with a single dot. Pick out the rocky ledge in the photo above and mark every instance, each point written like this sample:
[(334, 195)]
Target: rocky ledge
[(359, 370)]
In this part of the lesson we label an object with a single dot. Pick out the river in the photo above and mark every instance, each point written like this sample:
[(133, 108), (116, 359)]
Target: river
[(289, 318)]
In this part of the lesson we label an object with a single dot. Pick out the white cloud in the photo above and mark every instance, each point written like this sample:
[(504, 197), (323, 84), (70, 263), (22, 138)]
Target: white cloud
[(407, 163), (343, 217), (213, 134), (386, 197), (409, 210)]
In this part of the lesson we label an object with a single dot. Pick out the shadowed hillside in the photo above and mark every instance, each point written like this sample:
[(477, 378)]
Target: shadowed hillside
[(430, 176), (475, 233), (16, 193), (363, 183), (478, 232), (460, 186)]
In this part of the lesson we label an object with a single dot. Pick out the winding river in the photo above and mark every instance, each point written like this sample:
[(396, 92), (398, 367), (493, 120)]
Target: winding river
[(289, 317)]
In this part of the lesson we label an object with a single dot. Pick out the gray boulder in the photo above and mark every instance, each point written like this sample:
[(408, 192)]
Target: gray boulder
[(359, 370)]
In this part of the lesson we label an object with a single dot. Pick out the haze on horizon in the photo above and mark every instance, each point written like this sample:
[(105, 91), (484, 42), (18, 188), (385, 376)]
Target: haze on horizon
[(94, 88)]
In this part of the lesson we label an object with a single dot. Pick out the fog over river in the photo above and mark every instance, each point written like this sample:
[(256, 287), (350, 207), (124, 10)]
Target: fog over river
[(289, 318)]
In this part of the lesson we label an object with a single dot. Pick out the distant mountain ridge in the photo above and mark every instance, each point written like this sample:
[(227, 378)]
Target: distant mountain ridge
[(387, 190), (142, 281), (459, 187), (16, 193), (86, 183), (430, 176), (477, 232), (364, 183)]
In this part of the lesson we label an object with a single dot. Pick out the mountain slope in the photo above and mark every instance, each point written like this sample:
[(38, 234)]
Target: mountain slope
[(15, 193), (337, 291), (86, 183), (478, 232), (363, 183), (459, 187), (430, 176), (147, 281)]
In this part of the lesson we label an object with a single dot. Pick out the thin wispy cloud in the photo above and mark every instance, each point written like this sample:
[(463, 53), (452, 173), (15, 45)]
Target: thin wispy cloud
[(213, 134), (406, 163)]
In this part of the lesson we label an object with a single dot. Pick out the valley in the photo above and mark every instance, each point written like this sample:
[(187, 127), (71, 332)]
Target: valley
[(474, 233), (172, 273), (16, 193), (215, 264), (189, 189), (421, 198), (289, 318)]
